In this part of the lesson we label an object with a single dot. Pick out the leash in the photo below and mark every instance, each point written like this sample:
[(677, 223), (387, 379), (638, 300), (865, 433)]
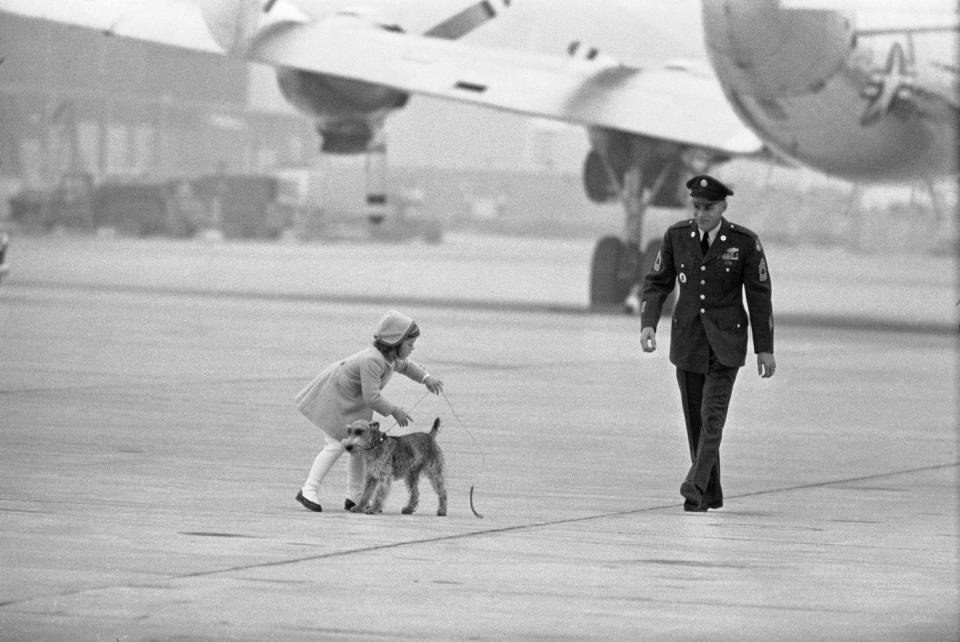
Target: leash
[(460, 421), (475, 443), (395, 423)]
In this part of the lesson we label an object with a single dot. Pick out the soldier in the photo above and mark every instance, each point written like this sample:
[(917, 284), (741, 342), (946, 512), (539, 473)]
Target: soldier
[(714, 262)]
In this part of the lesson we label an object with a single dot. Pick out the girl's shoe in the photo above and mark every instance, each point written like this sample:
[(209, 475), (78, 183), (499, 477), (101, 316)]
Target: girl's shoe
[(308, 504)]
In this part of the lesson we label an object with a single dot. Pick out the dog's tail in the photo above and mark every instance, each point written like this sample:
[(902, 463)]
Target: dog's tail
[(436, 427)]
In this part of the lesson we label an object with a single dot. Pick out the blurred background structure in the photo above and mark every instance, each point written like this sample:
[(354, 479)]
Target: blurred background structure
[(75, 101)]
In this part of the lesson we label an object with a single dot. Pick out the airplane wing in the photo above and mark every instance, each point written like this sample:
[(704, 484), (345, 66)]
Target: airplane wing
[(671, 103), (178, 23)]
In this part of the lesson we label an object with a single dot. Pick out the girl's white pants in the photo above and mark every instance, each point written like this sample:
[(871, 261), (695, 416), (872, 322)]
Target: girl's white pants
[(322, 465)]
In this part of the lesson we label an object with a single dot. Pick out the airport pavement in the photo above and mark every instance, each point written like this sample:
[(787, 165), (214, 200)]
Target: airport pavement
[(150, 452), (813, 284)]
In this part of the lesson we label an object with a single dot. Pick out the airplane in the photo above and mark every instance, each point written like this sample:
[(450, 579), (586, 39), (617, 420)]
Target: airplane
[(833, 85)]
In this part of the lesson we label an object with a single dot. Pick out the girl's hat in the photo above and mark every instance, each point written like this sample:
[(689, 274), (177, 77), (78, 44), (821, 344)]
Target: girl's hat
[(394, 328)]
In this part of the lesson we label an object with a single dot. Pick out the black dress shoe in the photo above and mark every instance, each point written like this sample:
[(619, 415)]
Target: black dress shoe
[(714, 503), (348, 504), (693, 496), (690, 507), (308, 504)]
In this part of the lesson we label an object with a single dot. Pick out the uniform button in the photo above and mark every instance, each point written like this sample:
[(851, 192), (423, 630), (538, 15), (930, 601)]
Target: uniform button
[(703, 268), (703, 297), (703, 282), (702, 310)]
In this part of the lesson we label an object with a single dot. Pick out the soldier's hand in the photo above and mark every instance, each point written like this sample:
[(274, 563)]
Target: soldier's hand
[(648, 339), (766, 364)]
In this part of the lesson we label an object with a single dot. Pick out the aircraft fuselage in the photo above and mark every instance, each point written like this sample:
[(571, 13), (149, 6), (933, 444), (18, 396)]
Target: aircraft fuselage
[(862, 107)]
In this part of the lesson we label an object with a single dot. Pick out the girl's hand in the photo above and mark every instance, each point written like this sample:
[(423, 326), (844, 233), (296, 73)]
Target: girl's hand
[(433, 384), (402, 417)]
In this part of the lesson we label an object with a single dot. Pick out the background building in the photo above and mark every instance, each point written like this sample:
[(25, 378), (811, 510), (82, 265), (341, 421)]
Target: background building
[(74, 101)]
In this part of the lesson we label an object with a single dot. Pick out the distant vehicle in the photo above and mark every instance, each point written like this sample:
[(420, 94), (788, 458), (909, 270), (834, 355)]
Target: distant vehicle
[(233, 205), (317, 209), (66, 204)]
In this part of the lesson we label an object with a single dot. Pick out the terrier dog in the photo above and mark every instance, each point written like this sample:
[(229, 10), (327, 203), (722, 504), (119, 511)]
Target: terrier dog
[(387, 458)]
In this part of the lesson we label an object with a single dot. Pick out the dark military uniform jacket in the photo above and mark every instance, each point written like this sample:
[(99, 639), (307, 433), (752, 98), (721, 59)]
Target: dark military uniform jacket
[(709, 312)]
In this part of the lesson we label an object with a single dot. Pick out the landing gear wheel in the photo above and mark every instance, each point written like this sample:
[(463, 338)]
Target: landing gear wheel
[(615, 269)]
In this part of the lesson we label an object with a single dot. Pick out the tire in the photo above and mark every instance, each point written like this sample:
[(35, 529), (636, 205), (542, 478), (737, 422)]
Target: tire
[(613, 272)]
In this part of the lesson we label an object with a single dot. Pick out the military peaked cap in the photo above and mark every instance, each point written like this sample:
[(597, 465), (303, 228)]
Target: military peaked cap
[(707, 187)]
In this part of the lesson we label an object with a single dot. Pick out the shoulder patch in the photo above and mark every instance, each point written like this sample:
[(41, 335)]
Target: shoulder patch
[(743, 230)]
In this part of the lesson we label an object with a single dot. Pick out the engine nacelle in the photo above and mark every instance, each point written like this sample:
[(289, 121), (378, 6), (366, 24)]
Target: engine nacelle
[(349, 113), (345, 135), (326, 97)]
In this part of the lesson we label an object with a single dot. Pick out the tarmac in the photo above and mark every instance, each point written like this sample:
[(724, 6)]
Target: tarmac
[(150, 451)]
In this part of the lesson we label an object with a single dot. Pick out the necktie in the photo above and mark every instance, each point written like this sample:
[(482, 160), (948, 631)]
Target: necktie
[(705, 243)]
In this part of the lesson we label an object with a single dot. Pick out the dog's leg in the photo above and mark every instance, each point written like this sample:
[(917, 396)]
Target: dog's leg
[(383, 489), (364, 501), (440, 488), (413, 486)]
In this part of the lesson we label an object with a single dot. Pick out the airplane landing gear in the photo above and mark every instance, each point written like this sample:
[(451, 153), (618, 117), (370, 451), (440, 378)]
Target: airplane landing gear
[(647, 176), (615, 270), (620, 262)]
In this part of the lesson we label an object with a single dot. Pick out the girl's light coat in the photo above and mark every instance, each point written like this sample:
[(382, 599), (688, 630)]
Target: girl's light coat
[(350, 389)]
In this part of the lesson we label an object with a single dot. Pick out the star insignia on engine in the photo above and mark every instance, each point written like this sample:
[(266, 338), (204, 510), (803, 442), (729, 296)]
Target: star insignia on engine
[(895, 82)]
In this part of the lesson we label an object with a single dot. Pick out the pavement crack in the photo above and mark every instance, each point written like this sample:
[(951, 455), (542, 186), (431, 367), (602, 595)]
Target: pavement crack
[(480, 533)]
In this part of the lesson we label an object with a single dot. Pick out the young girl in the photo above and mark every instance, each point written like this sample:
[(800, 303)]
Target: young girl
[(349, 390)]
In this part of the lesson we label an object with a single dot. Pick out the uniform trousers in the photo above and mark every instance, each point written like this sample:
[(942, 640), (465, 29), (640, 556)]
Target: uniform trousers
[(705, 399)]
